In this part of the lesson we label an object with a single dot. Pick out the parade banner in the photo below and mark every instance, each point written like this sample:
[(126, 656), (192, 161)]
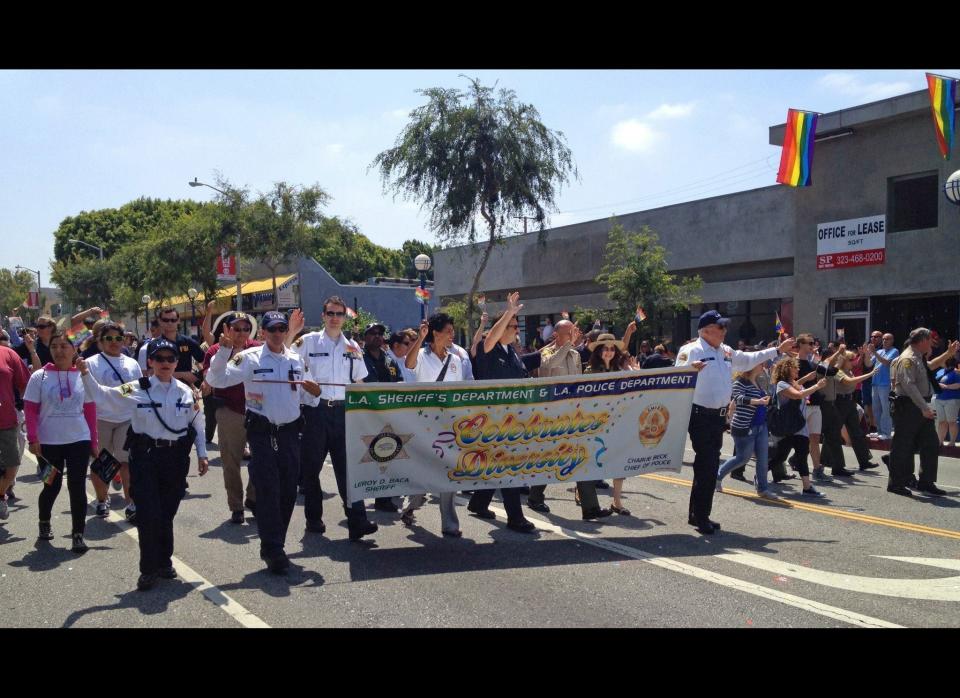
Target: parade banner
[(226, 265), (446, 437)]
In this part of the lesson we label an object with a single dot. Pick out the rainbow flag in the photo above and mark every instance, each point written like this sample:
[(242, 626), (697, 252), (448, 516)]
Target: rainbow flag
[(778, 326), (423, 295), (640, 314), (796, 160), (943, 96), (351, 313), (77, 334)]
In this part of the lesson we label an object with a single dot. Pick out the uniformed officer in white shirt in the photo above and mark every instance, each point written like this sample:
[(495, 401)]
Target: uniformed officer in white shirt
[(274, 379), (164, 425), (330, 358), (716, 362)]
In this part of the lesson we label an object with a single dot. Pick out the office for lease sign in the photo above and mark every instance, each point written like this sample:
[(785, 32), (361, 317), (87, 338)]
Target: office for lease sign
[(854, 243)]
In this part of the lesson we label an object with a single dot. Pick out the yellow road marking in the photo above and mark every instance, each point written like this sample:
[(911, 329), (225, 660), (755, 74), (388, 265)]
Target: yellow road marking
[(838, 513)]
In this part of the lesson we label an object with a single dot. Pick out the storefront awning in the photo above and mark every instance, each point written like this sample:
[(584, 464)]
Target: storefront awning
[(255, 286)]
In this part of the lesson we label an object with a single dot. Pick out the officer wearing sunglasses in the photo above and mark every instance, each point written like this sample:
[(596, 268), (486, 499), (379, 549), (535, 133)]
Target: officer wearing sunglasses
[(163, 428), (273, 378), (333, 359)]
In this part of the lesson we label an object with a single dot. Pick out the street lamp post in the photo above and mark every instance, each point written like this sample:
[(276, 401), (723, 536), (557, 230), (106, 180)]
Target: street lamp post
[(146, 312), (422, 262), (192, 295), (86, 244), (196, 183)]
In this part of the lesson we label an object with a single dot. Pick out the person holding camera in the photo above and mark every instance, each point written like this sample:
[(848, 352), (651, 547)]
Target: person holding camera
[(163, 428)]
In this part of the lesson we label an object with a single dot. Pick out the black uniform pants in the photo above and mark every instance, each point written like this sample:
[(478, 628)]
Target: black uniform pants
[(72, 458), (274, 464), (831, 442), (850, 418), (157, 477), (325, 431), (912, 432), (706, 433), (481, 499)]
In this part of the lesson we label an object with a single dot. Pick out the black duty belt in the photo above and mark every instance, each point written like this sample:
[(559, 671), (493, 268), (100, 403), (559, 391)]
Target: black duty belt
[(144, 441), (848, 396), (332, 403), (714, 411)]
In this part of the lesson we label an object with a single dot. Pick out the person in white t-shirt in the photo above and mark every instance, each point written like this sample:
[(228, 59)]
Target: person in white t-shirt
[(62, 431), (112, 369), (436, 362)]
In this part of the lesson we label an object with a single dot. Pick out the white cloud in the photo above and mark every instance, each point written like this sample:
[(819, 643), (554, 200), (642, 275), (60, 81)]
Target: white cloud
[(335, 148), (672, 111), (852, 85), (635, 136), (399, 113)]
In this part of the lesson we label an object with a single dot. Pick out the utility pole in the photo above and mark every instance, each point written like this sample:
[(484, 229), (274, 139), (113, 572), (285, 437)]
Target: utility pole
[(525, 219)]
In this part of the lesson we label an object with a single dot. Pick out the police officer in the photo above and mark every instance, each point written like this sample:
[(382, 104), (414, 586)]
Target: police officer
[(913, 417), (274, 380), (716, 362), (330, 358), (381, 368), (164, 424)]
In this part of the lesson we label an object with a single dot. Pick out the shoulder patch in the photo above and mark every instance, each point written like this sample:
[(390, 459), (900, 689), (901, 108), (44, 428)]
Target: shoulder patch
[(906, 362), (682, 356), (299, 342), (127, 388), (237, 359)]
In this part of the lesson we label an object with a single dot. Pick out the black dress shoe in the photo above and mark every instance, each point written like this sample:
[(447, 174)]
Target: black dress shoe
[(706, 529), (901, 490), (869, 466), (453, 534), (929, 488), (277, 563), (482, 513), (168, 572), (236, 517), (886, 459), (316, 526), (388, 507), (603, 485), (784, 478), (738, 475), (539, 506), (251, 505), (693, 522), (597, 514), (146, 581), (361, 529), (841, 472), (521, 526), (912, 482)]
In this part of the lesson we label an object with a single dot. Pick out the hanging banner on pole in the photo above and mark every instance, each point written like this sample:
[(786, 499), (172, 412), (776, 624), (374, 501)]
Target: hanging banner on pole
[(226, 265), (448, 437), (33, 300)]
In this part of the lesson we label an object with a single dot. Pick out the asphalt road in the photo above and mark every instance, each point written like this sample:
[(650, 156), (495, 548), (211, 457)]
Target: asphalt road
[(792, 564)]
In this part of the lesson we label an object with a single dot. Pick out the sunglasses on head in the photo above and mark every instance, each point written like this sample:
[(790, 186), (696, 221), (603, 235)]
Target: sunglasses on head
[(110, 338), (334, 313), (276, 328), (165, 359)]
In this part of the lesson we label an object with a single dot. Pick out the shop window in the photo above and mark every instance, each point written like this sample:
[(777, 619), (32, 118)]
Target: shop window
[(912, 202)]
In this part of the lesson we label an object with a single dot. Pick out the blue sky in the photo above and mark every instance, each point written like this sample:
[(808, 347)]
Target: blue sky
[(84, 140)]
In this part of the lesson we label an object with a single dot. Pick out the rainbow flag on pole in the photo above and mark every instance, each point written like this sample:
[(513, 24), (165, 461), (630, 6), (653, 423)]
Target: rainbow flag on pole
[(943, 96), (423, 295), (796, 160), (778, 326)]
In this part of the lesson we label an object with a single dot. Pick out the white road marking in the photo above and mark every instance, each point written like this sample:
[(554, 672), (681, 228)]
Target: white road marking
[(942, 589), (187, 573), (666, 563)]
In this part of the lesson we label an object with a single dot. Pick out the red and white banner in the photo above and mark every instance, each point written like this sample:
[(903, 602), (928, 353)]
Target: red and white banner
[(33, 300), (856, 242), (226, 265)]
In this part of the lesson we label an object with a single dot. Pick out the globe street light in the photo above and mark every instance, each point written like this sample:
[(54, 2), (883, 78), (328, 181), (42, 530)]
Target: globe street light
[(196, 183), (951, 188), (192, 295), (422, 263), (146, 312)]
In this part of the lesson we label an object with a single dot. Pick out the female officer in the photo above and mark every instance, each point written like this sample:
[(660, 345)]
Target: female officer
[(163, 414)]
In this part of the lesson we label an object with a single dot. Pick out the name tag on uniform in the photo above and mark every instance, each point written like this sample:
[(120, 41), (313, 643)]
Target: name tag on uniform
[(148, 405), (319, 354), (262, 370)]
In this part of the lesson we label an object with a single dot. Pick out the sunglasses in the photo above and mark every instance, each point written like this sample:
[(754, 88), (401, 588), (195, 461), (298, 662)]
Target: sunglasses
[(106, 338), (276, 328), (169, 319), (44, 327), (165, 359), (334, 313)]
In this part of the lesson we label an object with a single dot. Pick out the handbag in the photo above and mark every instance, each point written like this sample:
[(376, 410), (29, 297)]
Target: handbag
[(784, 420)]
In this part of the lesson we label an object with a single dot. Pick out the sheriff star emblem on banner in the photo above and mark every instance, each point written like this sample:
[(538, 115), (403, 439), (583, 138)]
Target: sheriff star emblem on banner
[(385, 447)]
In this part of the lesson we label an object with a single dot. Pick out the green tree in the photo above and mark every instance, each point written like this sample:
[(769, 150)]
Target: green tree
[(14, 287), (477, 154), (635, 273), (349, 255), (356, 325)]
